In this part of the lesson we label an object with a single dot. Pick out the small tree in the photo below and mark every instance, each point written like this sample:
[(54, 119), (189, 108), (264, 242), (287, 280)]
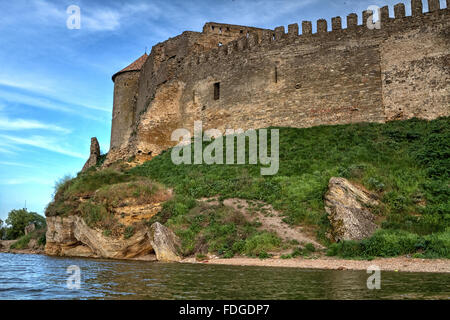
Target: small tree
[(19, 219)]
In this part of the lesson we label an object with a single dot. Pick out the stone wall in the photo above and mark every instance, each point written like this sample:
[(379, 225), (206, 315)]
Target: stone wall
[(273, 78), (416, 69)]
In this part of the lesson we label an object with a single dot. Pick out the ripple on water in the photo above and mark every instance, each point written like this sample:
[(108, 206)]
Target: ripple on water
[(42, 277)]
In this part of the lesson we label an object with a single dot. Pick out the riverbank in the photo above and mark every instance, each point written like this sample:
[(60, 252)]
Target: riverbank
[(402, 264), (5, 247)]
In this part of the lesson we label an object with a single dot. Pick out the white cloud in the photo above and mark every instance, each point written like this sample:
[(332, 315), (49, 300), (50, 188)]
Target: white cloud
[(7, 151), (8, 148), (25, 180), (92, 19), (25, 124), (32, 86), (14, 164), (50, 104), (45, 143), (101, 20)]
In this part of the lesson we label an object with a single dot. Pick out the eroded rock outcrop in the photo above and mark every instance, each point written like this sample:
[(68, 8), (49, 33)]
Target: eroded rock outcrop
[(164, 242), (94, 155), (29, 228), (71, 236), (348, 210)]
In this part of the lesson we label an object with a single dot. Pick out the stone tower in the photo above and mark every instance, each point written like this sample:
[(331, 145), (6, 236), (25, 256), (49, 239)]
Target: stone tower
[(126, 84)]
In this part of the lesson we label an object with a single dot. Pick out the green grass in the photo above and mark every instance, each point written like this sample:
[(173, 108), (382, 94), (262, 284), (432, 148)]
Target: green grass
[(406, 163), (22, 242), (220, 230), (129, 232), (91, 181), (391, 243)]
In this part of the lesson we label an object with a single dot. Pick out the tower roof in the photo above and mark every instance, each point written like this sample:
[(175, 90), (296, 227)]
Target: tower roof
[(135, 66)]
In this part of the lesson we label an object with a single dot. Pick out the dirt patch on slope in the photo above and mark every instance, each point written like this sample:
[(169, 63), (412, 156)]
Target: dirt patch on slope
[(270, 219)]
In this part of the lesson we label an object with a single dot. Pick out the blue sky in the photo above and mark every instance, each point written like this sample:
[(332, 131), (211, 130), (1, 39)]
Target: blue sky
[(55, 83)]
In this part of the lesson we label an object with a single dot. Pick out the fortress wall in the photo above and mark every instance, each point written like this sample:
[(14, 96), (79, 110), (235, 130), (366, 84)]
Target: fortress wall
[(125, 95), (416, 70), (330, 84), (229, 30), (335, 81), (274, 78), (166, 58)]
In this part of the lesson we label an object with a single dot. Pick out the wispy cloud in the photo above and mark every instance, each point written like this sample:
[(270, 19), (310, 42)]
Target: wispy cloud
[(32, 86), (7, 124), (101, 20), (6, 151), (98, 18), (45, 143), (14, 164), (8, 148), (30, 99), (25, 180)]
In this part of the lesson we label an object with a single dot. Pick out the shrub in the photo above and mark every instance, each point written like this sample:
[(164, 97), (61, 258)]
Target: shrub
[(42, 240), (260, 243), (93, 214), (309, 247), (264, 255), (390, 243), (61, 185), (22, 243), (129, 232)]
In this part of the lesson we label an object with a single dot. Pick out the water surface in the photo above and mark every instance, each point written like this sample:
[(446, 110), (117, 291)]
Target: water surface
[(42, 277)]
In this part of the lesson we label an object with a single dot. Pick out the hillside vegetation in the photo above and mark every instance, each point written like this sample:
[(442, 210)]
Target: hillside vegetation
[(406, 163)]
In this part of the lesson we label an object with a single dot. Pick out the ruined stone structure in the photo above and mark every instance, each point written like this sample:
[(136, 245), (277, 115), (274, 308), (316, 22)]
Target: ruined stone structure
[(94, 155), (232, 76)]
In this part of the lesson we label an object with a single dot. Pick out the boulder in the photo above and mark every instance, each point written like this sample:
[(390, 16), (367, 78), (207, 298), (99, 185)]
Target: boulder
[(33, 245), (164, 242), (348, 208)]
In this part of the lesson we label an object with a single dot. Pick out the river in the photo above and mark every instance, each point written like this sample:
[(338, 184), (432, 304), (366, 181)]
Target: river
[(24, 276)]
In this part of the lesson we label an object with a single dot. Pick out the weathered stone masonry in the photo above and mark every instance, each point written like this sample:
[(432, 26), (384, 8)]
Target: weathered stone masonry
[(241, 77)]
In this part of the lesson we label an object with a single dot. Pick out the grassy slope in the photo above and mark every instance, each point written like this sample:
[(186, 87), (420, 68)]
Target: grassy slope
[(405, 162), (22, 242)]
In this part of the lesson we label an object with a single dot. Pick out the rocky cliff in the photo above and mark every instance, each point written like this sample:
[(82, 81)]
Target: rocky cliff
[(70, 236), (100, 214)]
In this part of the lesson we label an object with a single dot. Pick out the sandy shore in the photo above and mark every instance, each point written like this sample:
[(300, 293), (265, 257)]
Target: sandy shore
[(402, 264), (23, 251)]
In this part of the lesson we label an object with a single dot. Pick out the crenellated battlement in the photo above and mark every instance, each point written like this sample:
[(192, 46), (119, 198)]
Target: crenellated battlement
[(251, 38)]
